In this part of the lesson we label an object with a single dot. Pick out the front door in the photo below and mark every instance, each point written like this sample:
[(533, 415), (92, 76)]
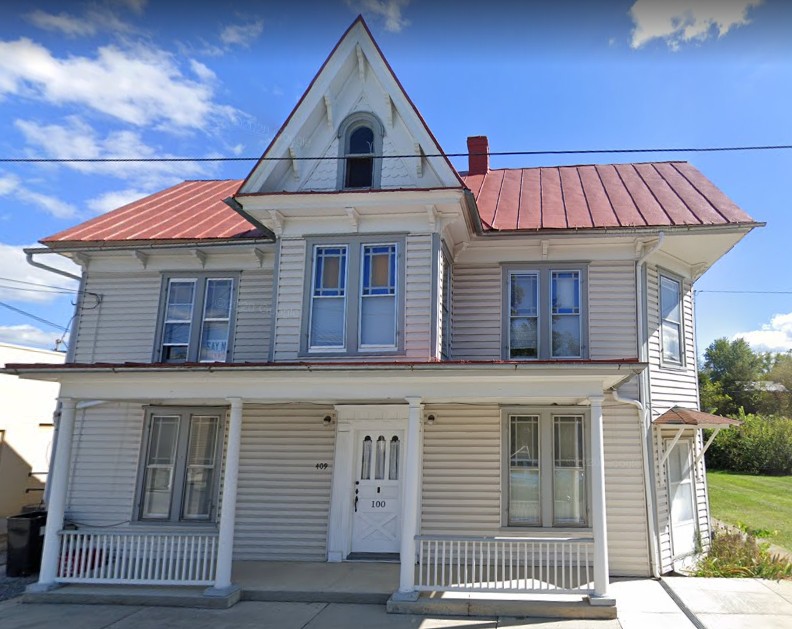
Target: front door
[(376, 518), (682, 496)]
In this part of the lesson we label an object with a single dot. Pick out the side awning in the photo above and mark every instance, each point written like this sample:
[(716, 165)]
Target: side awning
[(686, 419)]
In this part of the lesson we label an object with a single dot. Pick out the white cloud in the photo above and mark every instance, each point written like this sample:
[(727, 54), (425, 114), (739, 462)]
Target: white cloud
[(69, 25), (12, 185), (14, 266), (682, 21), (241, 34), (137, 84), (115, 199), (29, 335), (77, 139), (775, 336), (389, 10)]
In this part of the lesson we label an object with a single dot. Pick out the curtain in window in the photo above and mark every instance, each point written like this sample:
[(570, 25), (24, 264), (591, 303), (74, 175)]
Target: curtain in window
[(328, 297), (566, 328), (524, 476), (365, 463), (379, 466), (378, 296), (569, 472), (524, 315), (160, 462), (199, 479), (393, 459)]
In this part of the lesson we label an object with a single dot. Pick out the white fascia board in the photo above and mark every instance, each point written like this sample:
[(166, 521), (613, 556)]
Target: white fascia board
[(257, 204), (501, 384)]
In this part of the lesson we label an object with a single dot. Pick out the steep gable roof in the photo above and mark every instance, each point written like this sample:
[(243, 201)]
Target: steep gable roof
[(653, 194), (192, 210), (325, 104)]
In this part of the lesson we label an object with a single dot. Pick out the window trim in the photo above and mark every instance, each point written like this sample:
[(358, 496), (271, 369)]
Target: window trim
[(197, 321), (345, 129), (544, 271), (546, 415), (180, 466), (445, 293), (673, 277), (354, 245)]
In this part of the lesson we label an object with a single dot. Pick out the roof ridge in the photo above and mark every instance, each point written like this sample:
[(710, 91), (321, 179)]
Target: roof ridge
[(675, 161)]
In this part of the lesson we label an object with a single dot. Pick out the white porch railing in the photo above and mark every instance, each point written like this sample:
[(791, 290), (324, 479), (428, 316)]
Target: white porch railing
[(557, 565), (91, 556)]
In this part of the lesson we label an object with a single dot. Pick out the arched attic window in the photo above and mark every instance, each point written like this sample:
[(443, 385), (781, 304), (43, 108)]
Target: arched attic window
[(360, 142)]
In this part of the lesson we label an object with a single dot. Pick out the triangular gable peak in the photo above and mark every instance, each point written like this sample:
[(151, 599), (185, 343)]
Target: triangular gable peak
[(355, 81)]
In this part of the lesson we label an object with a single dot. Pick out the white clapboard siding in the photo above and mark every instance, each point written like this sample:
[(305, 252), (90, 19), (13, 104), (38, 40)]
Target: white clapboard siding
[(625, 493), (702, 494), (418, 298), (288, 310), (670, 386), (122, 327), (253, 327), (283, 500), (612, 314), (462, 480), (104, 469), (477, 312), (461, 471)]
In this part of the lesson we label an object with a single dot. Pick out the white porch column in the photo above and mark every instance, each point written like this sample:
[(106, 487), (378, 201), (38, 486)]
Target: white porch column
[(59, 481), (598, 520), (412, 474), (225, 541)]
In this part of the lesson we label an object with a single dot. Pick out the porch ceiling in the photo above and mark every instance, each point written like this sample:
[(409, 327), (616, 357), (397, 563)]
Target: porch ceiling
[(515, 383)]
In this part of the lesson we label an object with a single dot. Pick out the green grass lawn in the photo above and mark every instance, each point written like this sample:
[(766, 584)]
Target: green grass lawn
[(758, 502)]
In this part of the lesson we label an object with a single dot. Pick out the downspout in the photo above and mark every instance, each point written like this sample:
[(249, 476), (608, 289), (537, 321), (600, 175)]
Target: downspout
[(643, 406), (29, 256)]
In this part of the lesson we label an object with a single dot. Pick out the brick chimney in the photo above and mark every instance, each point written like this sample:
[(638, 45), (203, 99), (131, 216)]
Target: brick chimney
[(478, 155)]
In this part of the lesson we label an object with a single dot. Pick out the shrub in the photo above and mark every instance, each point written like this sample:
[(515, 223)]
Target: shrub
[(762, 445), (733, 554)]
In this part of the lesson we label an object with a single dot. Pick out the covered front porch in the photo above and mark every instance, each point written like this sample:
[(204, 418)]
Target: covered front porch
[(437, 567)]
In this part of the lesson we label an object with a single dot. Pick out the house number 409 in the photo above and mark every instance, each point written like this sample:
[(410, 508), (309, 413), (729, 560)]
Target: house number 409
[(321, 466)]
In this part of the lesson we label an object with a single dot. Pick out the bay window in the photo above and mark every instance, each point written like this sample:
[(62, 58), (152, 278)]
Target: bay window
[(353, 302), (544, 313), (180, 465), (196, 322), (545, 475)]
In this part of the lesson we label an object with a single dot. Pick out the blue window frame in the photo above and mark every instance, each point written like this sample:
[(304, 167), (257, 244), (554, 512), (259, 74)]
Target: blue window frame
[(328, 298)]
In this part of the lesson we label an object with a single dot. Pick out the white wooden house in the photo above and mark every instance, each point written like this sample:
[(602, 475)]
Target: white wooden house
[(359, 353)]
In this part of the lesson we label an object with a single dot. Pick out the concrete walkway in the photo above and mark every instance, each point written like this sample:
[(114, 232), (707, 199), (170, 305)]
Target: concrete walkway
[(735, 603), (642, 604)]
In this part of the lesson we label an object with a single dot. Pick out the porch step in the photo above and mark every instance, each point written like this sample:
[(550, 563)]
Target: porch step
[(460, 604), (149, 596), (379, 557)]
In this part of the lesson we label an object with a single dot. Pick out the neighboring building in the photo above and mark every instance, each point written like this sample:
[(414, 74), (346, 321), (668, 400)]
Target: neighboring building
[(370, 358), (26, 429)]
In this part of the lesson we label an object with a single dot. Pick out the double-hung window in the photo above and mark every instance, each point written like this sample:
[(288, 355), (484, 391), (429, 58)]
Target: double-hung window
[(545, 474), (197, 319), (671, 319), (180, 465), (353, 301), (544, 313)]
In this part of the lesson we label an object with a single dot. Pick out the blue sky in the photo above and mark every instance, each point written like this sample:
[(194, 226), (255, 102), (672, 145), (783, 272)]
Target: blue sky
[(128, 78)]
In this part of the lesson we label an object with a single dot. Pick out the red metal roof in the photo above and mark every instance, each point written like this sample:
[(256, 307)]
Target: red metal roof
[(653, 194), (678, 416), (192, 210)]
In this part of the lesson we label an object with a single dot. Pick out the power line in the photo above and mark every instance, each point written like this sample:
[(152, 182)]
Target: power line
[(32, 316), (10, 279), (83, 160), (36, 290)]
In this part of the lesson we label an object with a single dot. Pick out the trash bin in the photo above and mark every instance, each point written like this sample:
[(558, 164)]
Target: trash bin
[(25, 542)]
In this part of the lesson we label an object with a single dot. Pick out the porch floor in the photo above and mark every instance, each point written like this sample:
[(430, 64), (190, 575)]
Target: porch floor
[(346, 582)]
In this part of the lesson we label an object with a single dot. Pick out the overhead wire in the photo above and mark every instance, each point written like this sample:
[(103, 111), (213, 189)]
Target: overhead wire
[(34, 317), (11, 279), (290, 158)]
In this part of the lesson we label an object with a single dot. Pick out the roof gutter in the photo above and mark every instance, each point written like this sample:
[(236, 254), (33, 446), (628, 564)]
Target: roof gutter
[(29, 253), (235, 205)]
